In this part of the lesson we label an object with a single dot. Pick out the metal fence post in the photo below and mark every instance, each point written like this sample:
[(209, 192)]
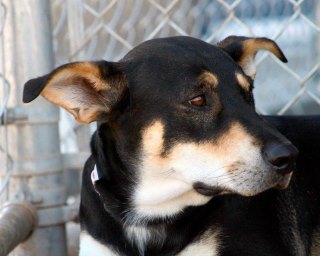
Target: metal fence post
[(33, 136)]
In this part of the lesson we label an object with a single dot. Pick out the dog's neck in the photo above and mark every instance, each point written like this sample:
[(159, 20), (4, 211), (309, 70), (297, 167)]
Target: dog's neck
[(111, 181), (114, 178)]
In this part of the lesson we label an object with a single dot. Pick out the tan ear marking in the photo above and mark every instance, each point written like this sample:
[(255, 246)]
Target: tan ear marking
[(85, 70), (252, 46), (244, 83), (244, 49), (84, 91), (250, 49)]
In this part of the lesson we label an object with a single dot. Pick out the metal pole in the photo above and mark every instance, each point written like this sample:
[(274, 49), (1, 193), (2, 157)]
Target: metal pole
[(33, 136), (17, 220)]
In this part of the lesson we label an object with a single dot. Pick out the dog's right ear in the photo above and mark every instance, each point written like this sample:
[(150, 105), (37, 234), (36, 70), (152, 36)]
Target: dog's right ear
[(88, 90), (244, 49)]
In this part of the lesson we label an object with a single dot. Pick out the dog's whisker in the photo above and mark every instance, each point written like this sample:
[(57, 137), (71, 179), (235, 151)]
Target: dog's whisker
[(212, 174)]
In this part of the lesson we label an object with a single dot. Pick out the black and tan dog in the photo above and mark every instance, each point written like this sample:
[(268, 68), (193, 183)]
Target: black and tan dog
[(181, 163)]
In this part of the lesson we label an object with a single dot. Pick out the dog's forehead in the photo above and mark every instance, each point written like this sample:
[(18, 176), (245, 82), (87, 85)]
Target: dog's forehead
[(182, 50)]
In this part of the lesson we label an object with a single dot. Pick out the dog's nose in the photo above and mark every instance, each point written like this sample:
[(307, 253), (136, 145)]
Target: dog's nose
[(281, 157)]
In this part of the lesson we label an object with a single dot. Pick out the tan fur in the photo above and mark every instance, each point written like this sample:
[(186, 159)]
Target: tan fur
[(210, 78), (153, 139), (166, 179), (250, 49), (230, 141), (225, 145), (244, 83), (252, 46), (88, 70), (76, 88)]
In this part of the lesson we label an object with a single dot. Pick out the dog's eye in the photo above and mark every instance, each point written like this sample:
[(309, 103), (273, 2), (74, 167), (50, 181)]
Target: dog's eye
[(198, 101)]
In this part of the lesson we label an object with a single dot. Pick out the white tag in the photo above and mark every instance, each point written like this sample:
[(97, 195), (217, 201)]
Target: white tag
[(94, 174)]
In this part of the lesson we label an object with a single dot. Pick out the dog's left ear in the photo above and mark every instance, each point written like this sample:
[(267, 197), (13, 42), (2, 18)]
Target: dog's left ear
[(244, 49), (88, 90)]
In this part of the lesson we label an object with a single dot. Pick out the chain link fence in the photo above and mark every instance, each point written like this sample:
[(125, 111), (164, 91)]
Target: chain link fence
[(96, 29), (108, 29)]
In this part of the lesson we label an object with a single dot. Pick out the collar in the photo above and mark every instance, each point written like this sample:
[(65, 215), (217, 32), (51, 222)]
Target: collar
[(94, 175)]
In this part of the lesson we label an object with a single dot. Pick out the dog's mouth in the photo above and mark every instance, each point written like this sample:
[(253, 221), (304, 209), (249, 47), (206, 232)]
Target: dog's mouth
[(284, 182), (207, 190), (212, 191)]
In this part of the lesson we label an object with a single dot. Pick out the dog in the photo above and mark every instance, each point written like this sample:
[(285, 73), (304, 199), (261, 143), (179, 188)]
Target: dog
[(181, 163)]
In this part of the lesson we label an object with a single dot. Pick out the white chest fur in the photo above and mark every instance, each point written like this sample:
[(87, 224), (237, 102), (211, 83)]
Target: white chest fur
[(207, 246), (91, 247)]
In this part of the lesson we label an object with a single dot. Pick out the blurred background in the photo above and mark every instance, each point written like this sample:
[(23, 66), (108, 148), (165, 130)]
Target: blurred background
[(42, 149)]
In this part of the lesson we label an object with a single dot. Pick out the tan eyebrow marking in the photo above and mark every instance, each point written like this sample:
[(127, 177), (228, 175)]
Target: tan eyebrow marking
[(244, 83), (210, 78)]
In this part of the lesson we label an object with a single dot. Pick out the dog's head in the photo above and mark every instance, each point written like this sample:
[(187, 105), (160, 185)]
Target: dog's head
[(182, 117)]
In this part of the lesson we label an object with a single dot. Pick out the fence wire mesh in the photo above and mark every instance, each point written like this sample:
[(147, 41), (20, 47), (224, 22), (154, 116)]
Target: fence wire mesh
[(107, 29)]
